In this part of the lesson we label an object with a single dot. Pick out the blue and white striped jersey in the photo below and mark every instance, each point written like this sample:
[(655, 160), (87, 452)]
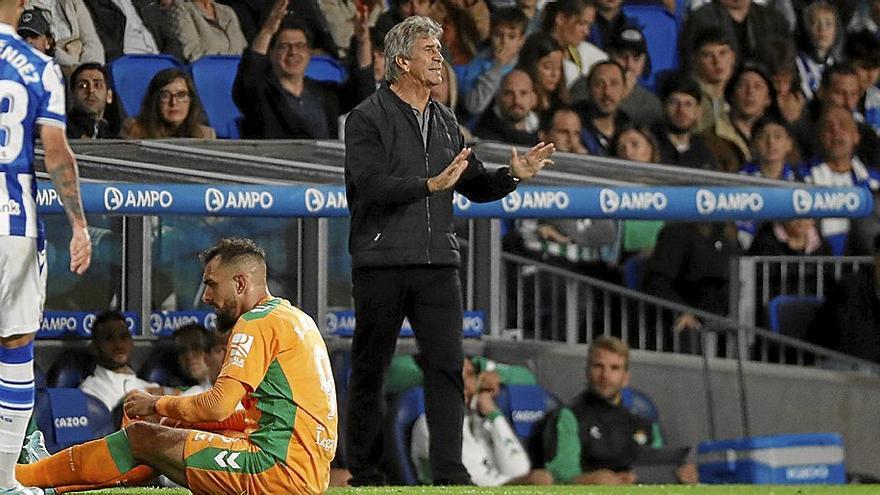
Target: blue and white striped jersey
[(31, 94)]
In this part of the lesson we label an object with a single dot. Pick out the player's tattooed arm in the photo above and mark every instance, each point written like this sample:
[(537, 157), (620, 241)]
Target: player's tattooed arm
[(65, 177)]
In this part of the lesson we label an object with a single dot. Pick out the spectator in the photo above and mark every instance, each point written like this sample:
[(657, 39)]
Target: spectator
[(839, 166), (610, 20), (568, 22), (821, 45), (862, 50), (93, 113), (274, 94), (541, 57), (512, 118), (866, 18), (850, 317), (206, 28), (200, 353), (482, 76), (460, 34), (340, 17), (751, 96), (772, 145), (76, 40), (34, 28), (783, 72), (601, 115), (113, 378), (563, 129), (714, 63), (798, 237), (749, 27), (399, 10), (490, 450), (595, 440), (533, 12), (679, 143), (251, 14), (171, 108), (122, 29), (638, 144), (690, 266), (629, 49), (840, 87)]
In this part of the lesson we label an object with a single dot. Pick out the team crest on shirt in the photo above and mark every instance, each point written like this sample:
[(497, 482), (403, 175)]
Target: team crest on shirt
[(240, 346)]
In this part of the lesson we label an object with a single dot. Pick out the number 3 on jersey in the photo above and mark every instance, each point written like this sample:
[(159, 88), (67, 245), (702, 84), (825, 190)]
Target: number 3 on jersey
[(325, 376), (13, 111)]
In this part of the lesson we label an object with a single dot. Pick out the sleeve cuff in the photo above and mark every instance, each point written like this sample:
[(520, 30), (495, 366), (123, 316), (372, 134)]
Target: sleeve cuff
[(492, 415)]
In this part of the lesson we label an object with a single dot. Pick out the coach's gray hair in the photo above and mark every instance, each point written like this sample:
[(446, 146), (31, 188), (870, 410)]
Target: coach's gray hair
[(400, 40)]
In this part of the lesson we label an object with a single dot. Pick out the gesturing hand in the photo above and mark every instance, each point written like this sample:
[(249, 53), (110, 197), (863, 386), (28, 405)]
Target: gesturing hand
[(525, 167), (449, 176)]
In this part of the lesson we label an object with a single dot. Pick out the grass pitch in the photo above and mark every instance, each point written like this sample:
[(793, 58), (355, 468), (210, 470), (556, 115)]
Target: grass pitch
[(566, 490)]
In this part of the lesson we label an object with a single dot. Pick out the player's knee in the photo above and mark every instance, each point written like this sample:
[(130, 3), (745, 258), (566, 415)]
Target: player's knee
[(140, 434)]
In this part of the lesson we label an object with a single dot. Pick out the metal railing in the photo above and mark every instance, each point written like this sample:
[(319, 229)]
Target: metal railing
[(761, 278)]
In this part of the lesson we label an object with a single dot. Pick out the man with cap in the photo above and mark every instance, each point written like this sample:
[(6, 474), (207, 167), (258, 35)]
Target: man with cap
[(34, 28), (628, 48), (679, 142)]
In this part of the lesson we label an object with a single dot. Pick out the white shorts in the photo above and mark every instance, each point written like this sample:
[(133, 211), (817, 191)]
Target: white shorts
[(22, 285)]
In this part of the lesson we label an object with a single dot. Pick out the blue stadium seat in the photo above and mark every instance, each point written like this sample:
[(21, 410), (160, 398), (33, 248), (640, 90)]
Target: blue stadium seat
[(525, 406), (67, 416), (638, 403), (634, 272), (69, 369), (791, 315), (213, 76), (131, 75), (327, 69), (403, 413), (661, 33)]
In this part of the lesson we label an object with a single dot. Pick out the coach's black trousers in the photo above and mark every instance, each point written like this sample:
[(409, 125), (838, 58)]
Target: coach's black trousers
[(431, 298)]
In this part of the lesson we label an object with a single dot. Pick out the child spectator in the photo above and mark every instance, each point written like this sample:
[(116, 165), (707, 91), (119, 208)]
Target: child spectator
[(821, 45)]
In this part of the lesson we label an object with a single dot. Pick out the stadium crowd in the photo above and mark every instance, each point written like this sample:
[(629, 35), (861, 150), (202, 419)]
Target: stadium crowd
[(782, 89)]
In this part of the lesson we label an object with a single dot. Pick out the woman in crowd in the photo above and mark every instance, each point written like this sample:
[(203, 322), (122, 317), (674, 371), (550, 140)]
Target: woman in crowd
[(541, 58), (569, 22), (171, 108)]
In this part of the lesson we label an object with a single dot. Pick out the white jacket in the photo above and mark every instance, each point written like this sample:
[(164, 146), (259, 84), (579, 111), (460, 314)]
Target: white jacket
[(82, 44)]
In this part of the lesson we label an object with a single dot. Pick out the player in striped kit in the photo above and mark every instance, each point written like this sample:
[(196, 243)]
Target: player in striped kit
[(31, 106)]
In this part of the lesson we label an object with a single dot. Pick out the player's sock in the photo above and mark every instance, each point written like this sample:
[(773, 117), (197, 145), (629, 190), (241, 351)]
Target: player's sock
[(98, 461), (137, 476), (16, 405)]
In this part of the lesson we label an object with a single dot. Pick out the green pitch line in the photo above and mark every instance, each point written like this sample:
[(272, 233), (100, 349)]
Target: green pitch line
[(565, 490)]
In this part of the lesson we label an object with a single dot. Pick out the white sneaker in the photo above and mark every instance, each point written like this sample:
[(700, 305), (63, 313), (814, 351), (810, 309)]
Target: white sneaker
[(35, 447)]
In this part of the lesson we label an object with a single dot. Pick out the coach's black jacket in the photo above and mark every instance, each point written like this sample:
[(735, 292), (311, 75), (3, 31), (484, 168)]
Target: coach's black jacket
[(394, 220)]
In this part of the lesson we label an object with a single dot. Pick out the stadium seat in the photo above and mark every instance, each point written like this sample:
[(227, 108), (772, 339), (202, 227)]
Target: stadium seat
[(70, 368), (634, 272), (327, 69), (162, 367), (404, 411), (661, 33), (638, 403), (791, 315), (67, 416), (213, 76), (525, 406), (131, 76)]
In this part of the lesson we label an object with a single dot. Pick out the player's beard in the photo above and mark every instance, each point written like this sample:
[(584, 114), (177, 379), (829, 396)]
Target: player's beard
[(226, 319)]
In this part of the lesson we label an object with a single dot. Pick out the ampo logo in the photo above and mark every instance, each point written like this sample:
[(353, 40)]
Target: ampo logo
[(512, 202), (802, 201), (155, 323), (89, 323), (314, 200), (113, 198), (332, 322), (609, 201), (213, 200), (461, 202), (706, 202), (210, 321)]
